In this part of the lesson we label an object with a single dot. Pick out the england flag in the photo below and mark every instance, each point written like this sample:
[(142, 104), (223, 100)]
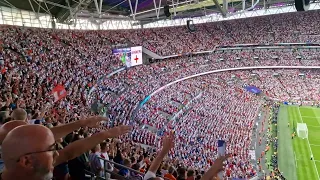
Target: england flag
[(136, 56)]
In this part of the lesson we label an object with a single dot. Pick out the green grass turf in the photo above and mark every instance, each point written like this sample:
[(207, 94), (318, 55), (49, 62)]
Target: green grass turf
[(299, 166)]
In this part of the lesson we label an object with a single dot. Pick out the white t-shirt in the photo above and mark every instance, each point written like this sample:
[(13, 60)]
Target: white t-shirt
[(109, 167), (149, 175)]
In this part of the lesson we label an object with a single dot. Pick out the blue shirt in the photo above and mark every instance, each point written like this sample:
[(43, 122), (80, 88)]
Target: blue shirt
[(123, 172), (95, 164)]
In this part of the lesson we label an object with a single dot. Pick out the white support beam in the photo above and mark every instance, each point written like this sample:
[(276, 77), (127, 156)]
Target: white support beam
[(100, 7), (32, 6), (48, 8), (171, 5), (97, 6), (41, 7), (70, 9), (225, 5), (9, 4), (5, 4), (243, 5), (37, 13), (117, 5), (157, 9), (174, 6), (55, 4), (155, 6), (76, 9), (79, 2), (223, 12), (135, 8), (75, 20), (133, 11), (38, 10)]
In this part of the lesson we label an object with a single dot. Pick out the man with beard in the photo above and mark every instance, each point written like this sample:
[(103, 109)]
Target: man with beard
[(29, 151)]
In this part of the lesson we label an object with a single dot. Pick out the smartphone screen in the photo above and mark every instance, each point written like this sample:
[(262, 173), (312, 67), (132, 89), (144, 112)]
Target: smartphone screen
[(221, 152), (221, 148)]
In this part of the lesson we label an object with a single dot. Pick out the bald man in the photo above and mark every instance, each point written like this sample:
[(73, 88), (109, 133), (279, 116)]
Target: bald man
[(7, 127), (19, 114), (58, 132), (19, 117), (29, 151)]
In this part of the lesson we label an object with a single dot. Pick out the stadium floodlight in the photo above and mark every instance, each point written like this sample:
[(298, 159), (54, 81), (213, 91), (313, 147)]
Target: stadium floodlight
[(302, 130)]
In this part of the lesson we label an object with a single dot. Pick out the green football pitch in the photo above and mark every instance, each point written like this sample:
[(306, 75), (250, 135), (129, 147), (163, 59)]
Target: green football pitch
[(295, 154)]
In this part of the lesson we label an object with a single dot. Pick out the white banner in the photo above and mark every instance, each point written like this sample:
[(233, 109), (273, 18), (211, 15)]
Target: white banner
[(252, 154)]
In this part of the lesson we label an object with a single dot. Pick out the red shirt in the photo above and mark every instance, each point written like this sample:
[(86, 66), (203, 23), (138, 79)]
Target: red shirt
[(169, 176)]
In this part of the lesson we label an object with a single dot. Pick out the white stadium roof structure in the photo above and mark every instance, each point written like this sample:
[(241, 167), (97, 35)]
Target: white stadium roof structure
[(133, 14)]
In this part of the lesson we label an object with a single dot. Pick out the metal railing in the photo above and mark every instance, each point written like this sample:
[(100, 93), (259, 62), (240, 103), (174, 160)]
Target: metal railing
[(108, 174)]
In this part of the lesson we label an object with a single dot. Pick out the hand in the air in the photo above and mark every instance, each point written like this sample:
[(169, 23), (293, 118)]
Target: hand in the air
[(93, 122), (218, 163), (168, 142), (117, 131)]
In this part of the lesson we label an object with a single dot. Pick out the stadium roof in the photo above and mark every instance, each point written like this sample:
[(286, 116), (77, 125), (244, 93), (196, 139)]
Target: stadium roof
[(142, 10)]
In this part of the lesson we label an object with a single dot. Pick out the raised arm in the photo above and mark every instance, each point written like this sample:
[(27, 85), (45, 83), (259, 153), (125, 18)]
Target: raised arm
[(168, 143), (215, 168), (63, 130), (79, 147)]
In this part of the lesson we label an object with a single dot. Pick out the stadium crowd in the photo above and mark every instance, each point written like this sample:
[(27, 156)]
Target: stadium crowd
[(34, 62), (284, 28)]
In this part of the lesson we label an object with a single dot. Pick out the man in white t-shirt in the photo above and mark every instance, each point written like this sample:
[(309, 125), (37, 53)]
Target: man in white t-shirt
[(104, 154)]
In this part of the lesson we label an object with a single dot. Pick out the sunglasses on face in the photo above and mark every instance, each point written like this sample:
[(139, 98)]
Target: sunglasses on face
[(53, 148)]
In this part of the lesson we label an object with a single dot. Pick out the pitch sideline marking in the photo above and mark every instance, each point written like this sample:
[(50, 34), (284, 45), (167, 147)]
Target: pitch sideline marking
[(310, 108), (314, 144), (313, 126), (310, 117), (316, 114), (318, 161), (315, 166), (295, 159)]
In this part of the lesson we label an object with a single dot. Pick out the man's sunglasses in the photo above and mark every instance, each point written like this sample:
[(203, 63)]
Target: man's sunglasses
[(53, 148)]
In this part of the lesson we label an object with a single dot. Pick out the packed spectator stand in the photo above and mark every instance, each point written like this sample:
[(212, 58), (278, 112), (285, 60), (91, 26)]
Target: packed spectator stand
[(34, 61)]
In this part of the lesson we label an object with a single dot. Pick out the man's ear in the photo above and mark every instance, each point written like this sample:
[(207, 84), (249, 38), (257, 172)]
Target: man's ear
[(25, 161)]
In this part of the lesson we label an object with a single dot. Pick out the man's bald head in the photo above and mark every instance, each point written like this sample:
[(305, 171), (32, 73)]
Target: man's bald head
[(28, 148), (7, 127), (19, 114)]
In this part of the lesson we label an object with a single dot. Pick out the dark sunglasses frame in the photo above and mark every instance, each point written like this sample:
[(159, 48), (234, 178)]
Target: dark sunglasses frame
[(54, 149)]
